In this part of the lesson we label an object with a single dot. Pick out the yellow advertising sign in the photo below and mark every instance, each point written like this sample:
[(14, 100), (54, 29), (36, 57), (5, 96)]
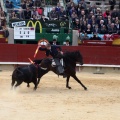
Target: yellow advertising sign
[(34, 24)]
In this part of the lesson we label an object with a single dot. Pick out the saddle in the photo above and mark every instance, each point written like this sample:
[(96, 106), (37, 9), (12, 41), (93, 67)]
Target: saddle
[(54, 63)]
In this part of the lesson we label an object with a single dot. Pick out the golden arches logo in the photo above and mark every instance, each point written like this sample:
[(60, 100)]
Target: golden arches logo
[(34, 24)]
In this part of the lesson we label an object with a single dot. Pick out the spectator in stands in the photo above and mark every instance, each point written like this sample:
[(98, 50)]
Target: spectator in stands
[(40, 11), (53, 15), (107, 19), (55, 37), (37, 3), (7, 3), (117, 24), (89, 29), (106, 13), (74, 17), (20, 14), (103, 30), (72, 10), (2, 17), (69, 7), (84, 26), (62, 14), (117, 19), (84, 36), (82, 14), (109, 24), (83, 3), (98, 13), (112, 4), (76, 26), (34, 12), (79, 8), (112, 29), (31, 4), (95, 37), (13, 15), (101, 23), (44, 18), (90, 15), (11, 5), (34, 17), (92, 20), (96, 29), (67, 42), (114, 13), (27, 14), (93, 9), (23, 5), (58, 7)]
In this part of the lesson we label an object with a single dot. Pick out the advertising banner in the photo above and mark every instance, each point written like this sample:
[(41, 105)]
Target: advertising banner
[(38, 24)]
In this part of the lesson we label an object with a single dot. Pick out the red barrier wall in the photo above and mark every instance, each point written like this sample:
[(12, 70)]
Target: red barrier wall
[(109, 55)]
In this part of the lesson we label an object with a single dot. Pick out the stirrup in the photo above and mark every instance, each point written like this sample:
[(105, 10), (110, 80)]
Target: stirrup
[(53, 63)]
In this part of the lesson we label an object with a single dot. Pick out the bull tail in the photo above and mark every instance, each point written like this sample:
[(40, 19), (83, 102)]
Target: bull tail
[(15, 75)]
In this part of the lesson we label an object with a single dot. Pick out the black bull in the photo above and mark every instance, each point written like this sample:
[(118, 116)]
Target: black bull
[(27, 74)]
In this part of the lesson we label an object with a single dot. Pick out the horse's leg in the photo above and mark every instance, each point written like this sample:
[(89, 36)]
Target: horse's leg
[(67, 82), (75, 77), (28, 85)]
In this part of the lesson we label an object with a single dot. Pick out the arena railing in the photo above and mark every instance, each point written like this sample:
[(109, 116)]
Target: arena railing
[(77, 65)]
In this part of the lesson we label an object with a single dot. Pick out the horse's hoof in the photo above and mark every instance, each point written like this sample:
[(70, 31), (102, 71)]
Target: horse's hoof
[(34, 89), (85, 88), (69, 87)]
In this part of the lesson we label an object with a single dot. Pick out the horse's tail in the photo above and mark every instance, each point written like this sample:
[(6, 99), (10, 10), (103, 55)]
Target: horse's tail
[(37, 61)]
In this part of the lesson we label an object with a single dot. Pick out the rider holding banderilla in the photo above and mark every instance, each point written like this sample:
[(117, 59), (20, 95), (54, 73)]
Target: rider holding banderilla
[(57, 55)]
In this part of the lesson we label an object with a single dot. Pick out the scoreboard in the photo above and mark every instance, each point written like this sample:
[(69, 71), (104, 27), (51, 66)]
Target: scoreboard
[(27, 33)]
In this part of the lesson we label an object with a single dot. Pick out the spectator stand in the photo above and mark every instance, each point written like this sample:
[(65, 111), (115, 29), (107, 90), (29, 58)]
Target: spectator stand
[(4, 33), (88, 16)]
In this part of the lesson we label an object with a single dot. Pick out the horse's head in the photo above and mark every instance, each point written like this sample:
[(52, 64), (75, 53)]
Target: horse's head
[(78, 57)]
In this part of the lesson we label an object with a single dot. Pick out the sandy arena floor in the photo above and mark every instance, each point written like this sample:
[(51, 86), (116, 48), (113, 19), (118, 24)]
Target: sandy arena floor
[(52, 101)]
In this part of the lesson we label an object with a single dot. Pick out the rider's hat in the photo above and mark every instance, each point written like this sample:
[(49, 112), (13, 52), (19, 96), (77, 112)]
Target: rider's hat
[(48, 45)]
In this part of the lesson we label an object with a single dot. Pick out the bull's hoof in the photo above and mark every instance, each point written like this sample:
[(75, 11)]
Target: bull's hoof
[(34, 88)]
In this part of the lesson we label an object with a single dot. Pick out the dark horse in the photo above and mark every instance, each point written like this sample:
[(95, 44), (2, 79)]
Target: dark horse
[(70, 59)]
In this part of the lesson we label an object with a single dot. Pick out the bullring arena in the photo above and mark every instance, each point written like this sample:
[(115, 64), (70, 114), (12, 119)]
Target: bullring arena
[(52, 101)]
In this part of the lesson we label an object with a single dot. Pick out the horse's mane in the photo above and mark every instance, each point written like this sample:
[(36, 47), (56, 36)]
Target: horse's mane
[(72, 54)]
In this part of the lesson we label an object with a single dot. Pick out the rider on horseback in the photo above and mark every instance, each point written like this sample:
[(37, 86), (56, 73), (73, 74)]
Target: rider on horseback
[(57, 55)]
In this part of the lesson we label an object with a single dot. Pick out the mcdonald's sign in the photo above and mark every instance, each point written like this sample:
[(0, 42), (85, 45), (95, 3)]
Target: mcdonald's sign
[(35, 24)]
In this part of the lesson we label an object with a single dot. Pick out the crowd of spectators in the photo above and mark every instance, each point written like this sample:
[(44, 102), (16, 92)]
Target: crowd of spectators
[(86, 19), (29, 11), (91, 20)]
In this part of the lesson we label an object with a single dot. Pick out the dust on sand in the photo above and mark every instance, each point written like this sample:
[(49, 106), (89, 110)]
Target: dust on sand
[(52, 101)]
